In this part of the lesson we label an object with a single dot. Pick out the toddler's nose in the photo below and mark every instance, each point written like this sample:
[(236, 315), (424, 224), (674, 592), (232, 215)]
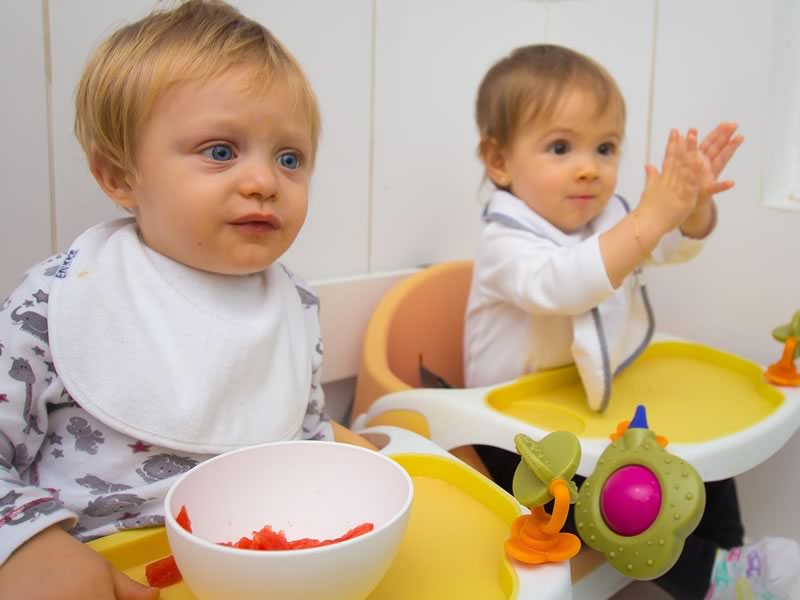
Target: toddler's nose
[(586, 168), (259, 180)]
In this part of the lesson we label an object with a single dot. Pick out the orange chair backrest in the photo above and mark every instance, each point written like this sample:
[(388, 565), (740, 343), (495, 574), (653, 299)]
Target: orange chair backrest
[(421, 315)]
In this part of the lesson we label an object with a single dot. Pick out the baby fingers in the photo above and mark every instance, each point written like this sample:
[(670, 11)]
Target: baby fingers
[(718, 138), (672, 151), (724, 154)]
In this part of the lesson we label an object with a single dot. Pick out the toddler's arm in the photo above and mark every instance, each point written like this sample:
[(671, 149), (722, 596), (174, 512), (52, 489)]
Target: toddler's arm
[(26, 371), (538, 276), (32, 519), (669, 198), (317, 424)]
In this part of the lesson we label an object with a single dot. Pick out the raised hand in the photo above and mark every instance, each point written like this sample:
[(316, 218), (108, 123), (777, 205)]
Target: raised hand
[(671, 196), (716, 150)]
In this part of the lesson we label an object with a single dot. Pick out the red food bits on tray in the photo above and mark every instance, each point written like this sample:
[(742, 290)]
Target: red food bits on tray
[(162, 573)]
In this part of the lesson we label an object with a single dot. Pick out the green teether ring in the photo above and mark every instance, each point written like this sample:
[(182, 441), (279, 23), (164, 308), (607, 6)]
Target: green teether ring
[(557, 455)]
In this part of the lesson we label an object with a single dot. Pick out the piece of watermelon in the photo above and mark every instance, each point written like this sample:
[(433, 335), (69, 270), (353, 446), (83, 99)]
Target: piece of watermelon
[(163, 573), (183, 519)]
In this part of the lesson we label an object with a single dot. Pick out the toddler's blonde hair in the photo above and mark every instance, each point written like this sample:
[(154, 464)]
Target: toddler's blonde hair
[(199, 40), (528, 85)]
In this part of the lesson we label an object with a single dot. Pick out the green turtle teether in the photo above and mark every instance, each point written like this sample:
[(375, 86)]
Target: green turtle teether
[(640, 503), (544, 473), (557, 455)]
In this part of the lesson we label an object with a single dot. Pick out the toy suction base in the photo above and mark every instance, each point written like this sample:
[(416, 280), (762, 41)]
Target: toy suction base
[(531, 545)]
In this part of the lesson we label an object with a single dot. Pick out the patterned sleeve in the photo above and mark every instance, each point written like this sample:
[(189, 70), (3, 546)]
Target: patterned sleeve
[(26, 372), (316, 424)]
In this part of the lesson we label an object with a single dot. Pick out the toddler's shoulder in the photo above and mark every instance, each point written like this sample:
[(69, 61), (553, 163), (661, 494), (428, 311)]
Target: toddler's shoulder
[(39, 278), (307, 296)]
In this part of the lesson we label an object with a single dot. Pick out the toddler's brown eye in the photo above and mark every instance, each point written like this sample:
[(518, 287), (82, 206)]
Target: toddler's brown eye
[(606, 149), (559, 147)]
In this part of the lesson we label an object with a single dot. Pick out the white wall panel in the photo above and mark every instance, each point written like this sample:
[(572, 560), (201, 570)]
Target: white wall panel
[(429, 60), (333, 42), (24, 190), (619, 35), (782, 147), (734, 293), (75, 29), (712, 63), (334, 48)]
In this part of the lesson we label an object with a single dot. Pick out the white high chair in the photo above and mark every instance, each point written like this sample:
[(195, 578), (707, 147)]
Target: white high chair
[(424, 314), (715, 408)]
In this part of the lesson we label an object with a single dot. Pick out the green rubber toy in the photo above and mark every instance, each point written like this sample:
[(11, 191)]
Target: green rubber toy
[(791, 329), (642, 536), (557, 455)]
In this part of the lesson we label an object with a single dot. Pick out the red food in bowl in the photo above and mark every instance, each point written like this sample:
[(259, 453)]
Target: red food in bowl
[(164, 572)]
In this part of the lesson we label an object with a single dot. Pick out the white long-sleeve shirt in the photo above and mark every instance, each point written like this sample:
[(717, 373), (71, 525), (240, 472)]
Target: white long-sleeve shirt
[(58, 463), (531, 281)]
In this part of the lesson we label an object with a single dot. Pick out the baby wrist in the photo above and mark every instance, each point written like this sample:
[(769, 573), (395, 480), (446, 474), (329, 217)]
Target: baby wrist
[(701, 222), (645, 232)]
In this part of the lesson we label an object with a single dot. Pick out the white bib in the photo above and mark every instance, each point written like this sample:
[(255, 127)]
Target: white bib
[(174, 356)]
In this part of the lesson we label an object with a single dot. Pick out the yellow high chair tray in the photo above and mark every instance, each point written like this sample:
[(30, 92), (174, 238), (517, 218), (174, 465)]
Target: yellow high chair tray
[(453, 546), (716, 409)]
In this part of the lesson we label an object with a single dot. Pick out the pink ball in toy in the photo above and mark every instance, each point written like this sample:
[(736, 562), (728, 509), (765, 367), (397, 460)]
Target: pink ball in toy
[(630, 500)]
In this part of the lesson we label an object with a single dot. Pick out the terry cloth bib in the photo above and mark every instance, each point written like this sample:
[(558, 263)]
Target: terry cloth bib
[(607, 338), (174, 356)]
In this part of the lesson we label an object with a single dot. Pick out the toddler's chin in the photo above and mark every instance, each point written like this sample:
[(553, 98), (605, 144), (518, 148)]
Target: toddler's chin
[(231, 268)]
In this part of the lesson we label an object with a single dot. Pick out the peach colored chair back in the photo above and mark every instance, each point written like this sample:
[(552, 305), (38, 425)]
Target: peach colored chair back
[(421, 315)]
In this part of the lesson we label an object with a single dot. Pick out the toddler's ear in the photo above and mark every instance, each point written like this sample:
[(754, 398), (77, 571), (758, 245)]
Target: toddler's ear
[(112, 180), (494, 159)]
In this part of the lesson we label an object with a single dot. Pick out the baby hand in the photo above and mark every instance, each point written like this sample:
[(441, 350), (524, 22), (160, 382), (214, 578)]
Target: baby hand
[(716, 150), (670, 196), (73, 572)]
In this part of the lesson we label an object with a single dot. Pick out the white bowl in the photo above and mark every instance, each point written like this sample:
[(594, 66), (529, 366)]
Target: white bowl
[(308, 489)]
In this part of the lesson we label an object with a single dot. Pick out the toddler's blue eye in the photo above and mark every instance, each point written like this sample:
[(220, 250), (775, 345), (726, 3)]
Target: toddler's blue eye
[(219, 152), (560, 147), (607, 149), (289, 160)]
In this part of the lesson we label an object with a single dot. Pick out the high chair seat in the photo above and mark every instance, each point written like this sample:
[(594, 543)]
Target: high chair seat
[(421, 316)]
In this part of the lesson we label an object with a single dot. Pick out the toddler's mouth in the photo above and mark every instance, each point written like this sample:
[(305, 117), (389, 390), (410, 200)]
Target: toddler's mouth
[(258, 222)]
